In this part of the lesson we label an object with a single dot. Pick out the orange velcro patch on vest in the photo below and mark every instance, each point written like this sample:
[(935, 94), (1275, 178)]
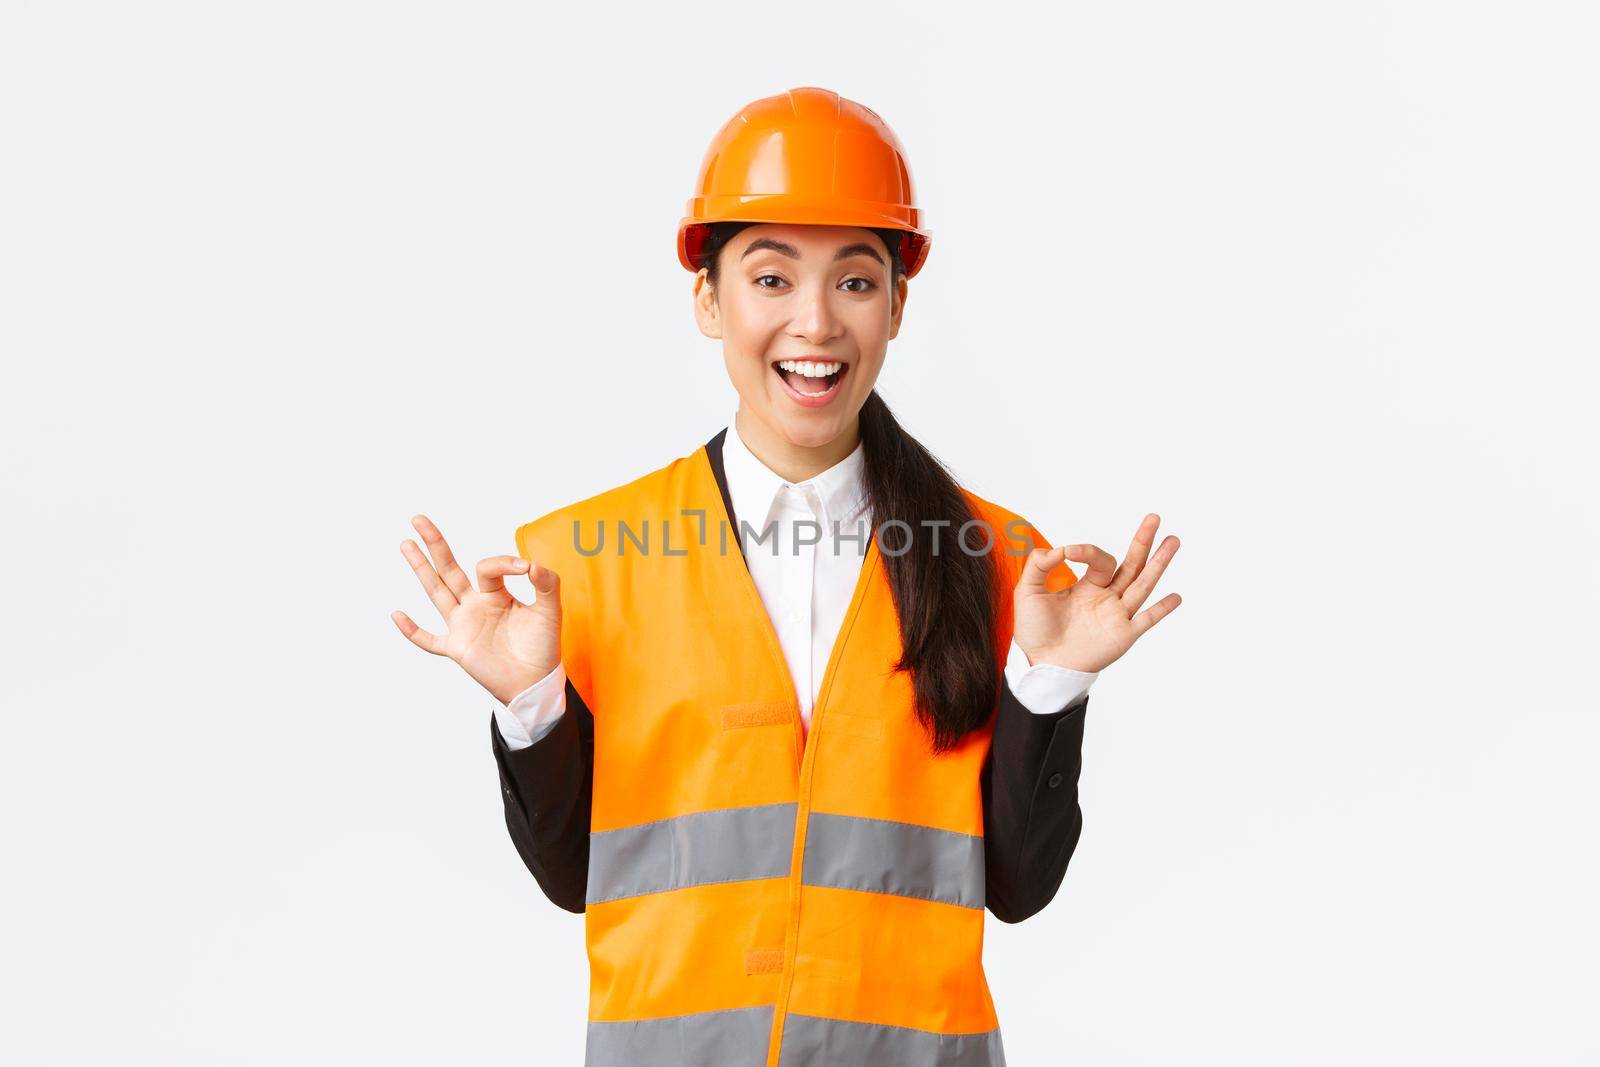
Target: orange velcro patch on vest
[(763, 960), (735, 716)]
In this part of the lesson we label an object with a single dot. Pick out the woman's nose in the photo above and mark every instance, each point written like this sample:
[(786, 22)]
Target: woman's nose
[(814, 319)]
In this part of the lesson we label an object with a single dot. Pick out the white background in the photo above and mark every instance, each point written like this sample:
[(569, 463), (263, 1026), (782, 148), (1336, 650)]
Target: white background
[(1317, 283)]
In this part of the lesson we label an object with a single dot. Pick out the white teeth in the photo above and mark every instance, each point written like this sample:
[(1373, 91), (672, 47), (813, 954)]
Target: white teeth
[(810, 367)]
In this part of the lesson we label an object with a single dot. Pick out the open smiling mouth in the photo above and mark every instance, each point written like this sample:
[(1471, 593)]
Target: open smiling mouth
[(810, 382)]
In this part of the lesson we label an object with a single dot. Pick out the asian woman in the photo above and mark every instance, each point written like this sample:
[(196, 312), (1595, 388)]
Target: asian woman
[(788, 714)]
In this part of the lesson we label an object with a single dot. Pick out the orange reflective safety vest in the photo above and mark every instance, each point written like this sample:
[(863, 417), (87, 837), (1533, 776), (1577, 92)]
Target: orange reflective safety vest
[(755, 895)]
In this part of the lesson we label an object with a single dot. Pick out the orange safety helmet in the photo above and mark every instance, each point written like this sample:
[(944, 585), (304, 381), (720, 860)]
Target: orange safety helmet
[(806, 156)]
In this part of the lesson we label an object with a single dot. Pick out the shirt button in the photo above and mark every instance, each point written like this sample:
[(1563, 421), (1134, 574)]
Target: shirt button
[(1055, 780)]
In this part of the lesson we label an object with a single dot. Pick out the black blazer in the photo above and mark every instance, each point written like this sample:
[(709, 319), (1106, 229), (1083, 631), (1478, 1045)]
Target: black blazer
[(1031, 816)]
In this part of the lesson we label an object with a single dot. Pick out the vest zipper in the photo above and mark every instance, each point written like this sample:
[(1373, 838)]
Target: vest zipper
[(803, 806)]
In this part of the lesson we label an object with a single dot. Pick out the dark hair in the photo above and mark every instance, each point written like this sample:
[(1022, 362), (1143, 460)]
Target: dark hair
[(946, 602)]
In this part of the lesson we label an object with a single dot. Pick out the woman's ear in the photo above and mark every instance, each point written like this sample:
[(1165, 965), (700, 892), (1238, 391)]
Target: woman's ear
[(900, 291), (705, 305)]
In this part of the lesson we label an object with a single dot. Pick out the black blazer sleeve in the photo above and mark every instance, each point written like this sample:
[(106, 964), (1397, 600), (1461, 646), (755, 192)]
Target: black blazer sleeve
[(547, 789), (1031, 817)]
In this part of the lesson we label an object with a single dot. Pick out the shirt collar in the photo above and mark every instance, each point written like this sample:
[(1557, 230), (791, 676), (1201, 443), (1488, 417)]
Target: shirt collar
[(754, 487)]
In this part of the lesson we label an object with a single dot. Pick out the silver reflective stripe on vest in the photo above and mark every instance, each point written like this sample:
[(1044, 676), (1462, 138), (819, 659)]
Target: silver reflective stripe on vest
[(735, 1038), (881, 856), (812, 1042), (728, 845)]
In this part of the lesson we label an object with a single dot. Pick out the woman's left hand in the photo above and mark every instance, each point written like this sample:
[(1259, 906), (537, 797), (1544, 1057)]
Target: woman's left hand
[(1089, 625)]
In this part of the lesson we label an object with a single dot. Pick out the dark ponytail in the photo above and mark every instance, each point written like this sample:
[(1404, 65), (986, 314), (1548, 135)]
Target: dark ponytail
[(946, 601)]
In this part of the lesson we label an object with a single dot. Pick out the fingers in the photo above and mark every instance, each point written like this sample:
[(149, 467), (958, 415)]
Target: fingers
[(492, 571), (443, 560), (546, 582), (1035, 576), (1140, 590), (417, 635), (1102, 565), (546, 586), (442, 596), (1155, 613), (1138, 552)]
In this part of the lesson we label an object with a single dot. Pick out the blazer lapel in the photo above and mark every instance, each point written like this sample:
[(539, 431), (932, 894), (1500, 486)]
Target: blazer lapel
[(718, 471)]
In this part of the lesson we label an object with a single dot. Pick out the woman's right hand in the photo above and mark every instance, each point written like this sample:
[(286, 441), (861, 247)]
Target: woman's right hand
[(503, 643)]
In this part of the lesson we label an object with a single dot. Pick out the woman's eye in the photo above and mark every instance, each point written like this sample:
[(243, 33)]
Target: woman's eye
[(768, 277), (866, 284)]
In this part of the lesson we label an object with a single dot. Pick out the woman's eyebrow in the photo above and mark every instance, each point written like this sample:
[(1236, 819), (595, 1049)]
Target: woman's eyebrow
[(777, 246), (782, 248), (857, 250)]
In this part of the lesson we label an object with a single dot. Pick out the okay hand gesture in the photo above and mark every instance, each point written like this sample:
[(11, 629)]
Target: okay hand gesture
[(504, 644), (1091, 623)]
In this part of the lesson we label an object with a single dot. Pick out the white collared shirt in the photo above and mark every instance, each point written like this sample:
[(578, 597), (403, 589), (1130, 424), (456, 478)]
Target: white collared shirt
[(806, 577)]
